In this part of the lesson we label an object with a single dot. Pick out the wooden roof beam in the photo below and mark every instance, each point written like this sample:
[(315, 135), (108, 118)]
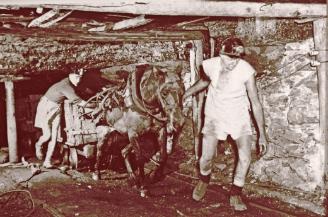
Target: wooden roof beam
[(131, 23), (108, 36), (181, 7), (48, 19)]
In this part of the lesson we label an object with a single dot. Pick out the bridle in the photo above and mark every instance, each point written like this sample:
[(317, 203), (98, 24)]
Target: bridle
[(140, 103)]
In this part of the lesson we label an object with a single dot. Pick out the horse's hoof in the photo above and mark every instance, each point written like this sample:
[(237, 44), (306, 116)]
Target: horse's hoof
[(143, 193), (64, 168), (95, 176), (156, 158)]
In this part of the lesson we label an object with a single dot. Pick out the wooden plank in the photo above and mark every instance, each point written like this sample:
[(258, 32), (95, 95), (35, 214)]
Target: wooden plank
[(201, 96), (131, 23), (212, 46), (193, 79), (48, 19), (191, 21), (320, 43), (8, 77), (105, 36), (181, 7), (69, 122), (11, 122), (196, 58)]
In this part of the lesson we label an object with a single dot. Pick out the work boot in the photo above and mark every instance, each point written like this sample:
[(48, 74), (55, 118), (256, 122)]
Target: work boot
[(199, 190), (38, 152), (237, 203)]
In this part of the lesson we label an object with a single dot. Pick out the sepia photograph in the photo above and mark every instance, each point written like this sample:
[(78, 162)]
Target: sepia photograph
[(163, 108)]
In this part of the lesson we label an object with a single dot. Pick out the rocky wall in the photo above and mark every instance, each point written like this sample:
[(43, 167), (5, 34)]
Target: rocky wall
[(295, 158), (288, 89), (33, 55)]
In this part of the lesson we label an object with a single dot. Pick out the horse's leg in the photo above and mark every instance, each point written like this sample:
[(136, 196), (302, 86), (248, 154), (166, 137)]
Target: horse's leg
[(102, 136), (126, 151), (141, 170), (138, 155), (157, 174), (140, 179), (143, 188), (65, 153), (175, 138)]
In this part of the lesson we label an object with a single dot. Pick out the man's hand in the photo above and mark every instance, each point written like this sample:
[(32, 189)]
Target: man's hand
[(263, 143), (184, 97), (186, 105), (85, 104)]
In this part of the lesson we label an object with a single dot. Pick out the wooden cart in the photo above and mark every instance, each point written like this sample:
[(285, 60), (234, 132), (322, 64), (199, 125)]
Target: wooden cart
[(81, 133)]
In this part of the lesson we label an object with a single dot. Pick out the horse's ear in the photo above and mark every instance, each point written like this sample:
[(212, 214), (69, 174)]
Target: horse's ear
[(158, 71), (155, 69)]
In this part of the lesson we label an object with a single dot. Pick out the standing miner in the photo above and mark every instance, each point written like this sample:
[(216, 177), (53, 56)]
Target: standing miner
[(232, 93)]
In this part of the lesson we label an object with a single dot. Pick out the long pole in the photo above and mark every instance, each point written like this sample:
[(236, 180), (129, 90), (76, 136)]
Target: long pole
[(11, 122), (196, 58), (320, 44)]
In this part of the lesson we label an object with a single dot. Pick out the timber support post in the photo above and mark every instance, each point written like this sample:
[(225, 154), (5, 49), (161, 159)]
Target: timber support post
[(196, 58), (11, 122), (320, 44)]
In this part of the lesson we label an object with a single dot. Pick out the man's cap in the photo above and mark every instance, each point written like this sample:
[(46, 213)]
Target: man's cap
[(233, 46), (78, 71)]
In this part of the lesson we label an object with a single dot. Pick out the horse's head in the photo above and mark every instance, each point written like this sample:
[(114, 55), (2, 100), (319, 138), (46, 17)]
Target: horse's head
[(170, 95), (165, 88)]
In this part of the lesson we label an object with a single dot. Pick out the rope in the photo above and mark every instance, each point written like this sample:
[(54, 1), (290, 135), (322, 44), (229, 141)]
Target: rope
[(19, 191), (284, 77)]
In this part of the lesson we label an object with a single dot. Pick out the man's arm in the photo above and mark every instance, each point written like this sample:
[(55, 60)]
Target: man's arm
[(200, 85), (257, 111), (72, 97)]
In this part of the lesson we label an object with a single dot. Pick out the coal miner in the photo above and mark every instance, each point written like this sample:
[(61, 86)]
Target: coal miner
[(49, 111), (232, 93)]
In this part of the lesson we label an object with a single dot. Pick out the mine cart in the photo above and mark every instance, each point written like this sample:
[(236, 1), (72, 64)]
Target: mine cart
[(81, 133), (80, 126)]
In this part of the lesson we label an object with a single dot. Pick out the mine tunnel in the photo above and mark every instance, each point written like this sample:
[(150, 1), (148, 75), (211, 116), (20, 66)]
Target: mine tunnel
[(284, 41)]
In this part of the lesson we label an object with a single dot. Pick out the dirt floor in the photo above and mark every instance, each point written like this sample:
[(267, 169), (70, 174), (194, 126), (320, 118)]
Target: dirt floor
[(74, 193), (52, 193)]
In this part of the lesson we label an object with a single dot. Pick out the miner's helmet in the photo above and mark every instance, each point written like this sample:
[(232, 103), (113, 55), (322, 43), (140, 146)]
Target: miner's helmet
[(233, 47), (75, 76), (79, 71)]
